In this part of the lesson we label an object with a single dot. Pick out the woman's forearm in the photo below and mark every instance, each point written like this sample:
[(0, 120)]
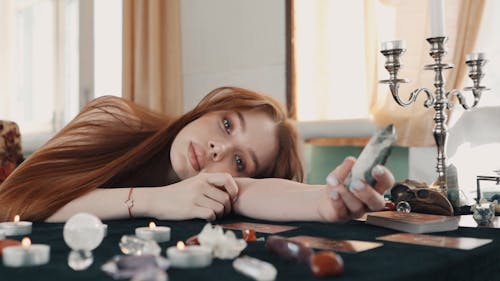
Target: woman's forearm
[(278, 199), (106, 203)]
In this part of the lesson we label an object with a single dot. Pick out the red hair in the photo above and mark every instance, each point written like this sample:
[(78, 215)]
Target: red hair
[(113, 142)]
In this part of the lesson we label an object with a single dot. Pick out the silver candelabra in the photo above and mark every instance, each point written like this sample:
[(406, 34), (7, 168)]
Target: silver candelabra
[(440, 99)]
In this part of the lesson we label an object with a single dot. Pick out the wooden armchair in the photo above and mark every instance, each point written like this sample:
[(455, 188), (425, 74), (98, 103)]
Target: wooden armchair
[(10, 148)]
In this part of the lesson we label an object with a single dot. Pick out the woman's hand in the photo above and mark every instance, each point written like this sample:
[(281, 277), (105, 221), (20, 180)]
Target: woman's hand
[(205, 196), (341, 204)]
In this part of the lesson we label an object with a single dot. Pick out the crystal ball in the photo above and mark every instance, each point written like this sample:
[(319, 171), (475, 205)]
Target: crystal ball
[(83, 231), (403, 207)]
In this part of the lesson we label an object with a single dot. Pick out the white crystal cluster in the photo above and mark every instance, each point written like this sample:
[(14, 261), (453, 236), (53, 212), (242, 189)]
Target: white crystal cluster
[(223, 245)]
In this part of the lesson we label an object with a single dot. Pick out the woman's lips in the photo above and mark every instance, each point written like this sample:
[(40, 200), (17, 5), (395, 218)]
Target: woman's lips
[(196, 156)]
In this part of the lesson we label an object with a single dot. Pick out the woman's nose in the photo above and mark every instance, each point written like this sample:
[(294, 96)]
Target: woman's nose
[(217, 150)]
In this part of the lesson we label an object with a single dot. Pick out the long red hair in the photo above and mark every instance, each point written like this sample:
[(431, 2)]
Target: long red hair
[(113, 142)]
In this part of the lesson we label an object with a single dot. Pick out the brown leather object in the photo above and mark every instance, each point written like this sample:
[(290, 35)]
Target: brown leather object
[(422, 199)]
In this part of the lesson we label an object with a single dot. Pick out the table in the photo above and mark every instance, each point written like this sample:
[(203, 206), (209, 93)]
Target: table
[(393, 261)]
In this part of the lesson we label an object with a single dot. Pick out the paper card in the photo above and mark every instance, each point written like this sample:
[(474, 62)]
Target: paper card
[(349, 246), (461, 243), (259, 227)]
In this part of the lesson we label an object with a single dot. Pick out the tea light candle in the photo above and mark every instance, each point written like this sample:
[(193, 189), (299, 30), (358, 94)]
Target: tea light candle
[(153, 232), (182, 256), (392, 45), (16, 227), (26, 254)]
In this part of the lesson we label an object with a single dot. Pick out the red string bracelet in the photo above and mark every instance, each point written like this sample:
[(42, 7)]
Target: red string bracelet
[(130, 203)]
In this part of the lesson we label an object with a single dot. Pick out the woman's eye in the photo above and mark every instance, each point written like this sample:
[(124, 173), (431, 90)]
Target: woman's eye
[(227, 125), (240, 164)]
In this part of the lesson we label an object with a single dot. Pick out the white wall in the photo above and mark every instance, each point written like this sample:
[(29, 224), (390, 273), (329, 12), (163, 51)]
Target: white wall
[(233, 42)]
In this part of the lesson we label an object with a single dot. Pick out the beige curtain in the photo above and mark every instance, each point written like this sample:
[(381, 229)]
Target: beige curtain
[(152, 54), (415, 123)]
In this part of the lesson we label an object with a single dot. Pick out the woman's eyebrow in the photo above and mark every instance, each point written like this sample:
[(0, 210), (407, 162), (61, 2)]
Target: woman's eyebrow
[(251, 151)]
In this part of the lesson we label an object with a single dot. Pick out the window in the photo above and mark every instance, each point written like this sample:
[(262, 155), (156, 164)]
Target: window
[(331, 46), (58, 54), (330, 59)]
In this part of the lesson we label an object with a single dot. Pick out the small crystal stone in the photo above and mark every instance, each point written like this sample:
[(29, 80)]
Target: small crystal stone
[(484, 213), (150, 274), (132, 245), (139, 268), (80, 260), (403, 207), (288, 249), (326, 263), (193, 240), (255, 268), (8, 242), (249, 235)]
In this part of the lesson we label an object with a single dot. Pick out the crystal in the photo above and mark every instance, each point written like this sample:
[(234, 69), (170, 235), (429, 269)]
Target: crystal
[(288, 249), (193, 240), (255, 268), (403, 207), (249, 235), (484, 212), (375, 152), (150, 274), (139, 268), (83, 232), (326, 263), (223, 245), (133, 245), (80, 259)]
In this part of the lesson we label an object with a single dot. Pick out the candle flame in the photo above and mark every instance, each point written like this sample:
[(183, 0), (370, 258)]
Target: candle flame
[(17, 218), (26, 242), (180, 245), (152, 225)]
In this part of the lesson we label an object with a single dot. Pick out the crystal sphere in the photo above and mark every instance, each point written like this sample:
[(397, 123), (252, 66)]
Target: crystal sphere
[(403, 207), (83, 231)]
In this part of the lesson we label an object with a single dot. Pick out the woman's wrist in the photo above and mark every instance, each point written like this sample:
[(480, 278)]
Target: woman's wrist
[(139, 201)]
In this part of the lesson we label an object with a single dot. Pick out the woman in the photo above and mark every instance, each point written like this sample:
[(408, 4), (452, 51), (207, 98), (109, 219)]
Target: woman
[(235, 151)]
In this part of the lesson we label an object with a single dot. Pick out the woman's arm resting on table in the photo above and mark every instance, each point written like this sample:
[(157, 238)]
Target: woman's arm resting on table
[(196, 197), (281, 200)]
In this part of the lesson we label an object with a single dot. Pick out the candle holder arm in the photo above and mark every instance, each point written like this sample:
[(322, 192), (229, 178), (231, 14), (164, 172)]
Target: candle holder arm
[(413, 96), (476, 92)]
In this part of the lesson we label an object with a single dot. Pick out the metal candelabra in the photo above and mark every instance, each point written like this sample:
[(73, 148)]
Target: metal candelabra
[(440, 99)]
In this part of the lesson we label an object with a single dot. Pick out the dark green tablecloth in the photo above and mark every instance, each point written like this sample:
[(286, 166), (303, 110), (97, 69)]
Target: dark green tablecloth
[(393, 261)]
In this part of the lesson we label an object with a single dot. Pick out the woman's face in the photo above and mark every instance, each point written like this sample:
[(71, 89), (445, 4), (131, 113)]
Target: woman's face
[(242, 144)]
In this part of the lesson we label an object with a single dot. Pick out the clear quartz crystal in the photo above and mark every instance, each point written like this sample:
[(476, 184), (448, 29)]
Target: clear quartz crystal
[(83, 233), (150, 274), (403, 207), (254, 268), (80, 260), (133, 245)]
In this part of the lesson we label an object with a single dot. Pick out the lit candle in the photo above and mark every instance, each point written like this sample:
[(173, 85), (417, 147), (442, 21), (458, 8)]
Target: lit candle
[(26, 254), (474, 56), (182, 256), (437, 18), (153, 232), (392, 45), (16, 227)]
